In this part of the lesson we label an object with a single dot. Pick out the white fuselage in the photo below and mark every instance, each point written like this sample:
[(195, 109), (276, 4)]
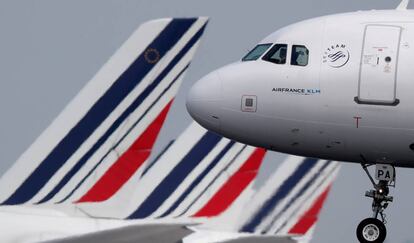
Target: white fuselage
[(353, 101)]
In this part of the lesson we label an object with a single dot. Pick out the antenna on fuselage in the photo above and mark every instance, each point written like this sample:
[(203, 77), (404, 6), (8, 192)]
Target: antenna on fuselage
[(403, 5)]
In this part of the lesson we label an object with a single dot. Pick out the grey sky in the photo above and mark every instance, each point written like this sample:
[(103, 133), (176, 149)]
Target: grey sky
[(50, 49)]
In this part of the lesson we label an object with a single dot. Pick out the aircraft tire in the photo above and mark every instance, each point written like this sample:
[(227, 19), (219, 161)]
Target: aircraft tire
[(371, 230)]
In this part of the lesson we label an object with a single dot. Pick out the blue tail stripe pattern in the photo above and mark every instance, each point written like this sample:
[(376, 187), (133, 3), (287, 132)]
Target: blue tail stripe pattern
[(177, 175), (300, 193), (212, 182), (283, 191), (199, 179), (98, 113)]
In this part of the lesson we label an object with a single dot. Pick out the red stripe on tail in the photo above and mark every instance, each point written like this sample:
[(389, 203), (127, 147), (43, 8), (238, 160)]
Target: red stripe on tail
[(234, 186), (311, 216), (129, 162)]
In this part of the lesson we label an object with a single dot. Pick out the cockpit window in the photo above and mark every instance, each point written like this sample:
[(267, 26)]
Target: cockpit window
[(300, 56), (277, 54), (256, 52)]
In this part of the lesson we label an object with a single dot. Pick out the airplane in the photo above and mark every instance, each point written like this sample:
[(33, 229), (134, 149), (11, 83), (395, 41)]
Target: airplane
[(335, 87), (84, 176)]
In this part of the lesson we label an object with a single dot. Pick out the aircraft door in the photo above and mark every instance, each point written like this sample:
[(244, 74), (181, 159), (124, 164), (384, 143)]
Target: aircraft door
[(378, 70)]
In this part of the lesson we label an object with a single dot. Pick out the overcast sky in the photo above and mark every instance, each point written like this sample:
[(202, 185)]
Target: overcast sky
[(50, 49)]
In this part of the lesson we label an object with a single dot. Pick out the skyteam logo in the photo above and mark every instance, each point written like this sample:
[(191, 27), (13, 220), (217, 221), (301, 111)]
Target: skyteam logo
[(336, 56)]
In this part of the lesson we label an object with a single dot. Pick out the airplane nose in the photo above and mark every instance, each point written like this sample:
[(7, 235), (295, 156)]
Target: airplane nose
[(204, 101)]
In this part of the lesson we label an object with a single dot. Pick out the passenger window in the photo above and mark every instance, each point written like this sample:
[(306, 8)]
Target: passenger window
[(277, 54), (256, 52), (300, 56)]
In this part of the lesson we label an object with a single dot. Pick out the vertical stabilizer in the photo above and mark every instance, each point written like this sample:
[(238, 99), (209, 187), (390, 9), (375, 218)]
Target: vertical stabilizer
[(105, 135)]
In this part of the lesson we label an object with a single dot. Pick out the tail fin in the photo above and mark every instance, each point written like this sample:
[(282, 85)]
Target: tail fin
[(107, 132), (199, 175), (289, 203)]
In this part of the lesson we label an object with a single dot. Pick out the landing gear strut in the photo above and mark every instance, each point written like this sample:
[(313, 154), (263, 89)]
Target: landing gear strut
[(373, 230)]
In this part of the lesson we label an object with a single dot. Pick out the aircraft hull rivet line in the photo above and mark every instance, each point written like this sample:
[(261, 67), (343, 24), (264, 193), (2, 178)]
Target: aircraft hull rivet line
[(373, 229)]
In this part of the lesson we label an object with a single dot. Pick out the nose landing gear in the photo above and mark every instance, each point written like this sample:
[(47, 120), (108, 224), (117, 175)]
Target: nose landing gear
[(373, 230)]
